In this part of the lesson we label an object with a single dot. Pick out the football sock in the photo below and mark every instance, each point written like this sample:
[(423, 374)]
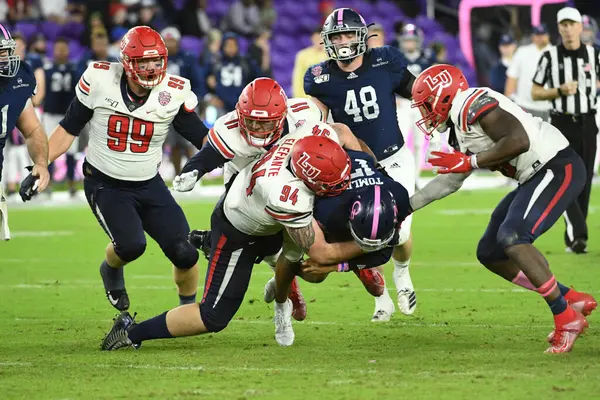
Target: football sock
[(191, 299), (558, 305), (112, 278), (153, 328), (524, 282)]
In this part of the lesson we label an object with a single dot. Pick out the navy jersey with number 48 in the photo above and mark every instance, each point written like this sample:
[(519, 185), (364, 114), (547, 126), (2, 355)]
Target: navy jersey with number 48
[(365, 99), (14, 93), (333, 213)]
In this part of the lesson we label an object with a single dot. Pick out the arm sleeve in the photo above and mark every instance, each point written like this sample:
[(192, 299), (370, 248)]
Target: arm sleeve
[(371, 260), (188, 124), (205, 160), (402, 78), (440, 187), (541, 74), (77, 116)]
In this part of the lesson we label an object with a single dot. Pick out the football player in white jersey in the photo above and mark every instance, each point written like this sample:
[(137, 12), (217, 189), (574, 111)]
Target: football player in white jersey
[(129, 106), (490, 131), (269, 196), (262, 115)]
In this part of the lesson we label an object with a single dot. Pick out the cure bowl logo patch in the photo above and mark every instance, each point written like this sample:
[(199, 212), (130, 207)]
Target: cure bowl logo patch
[(316, 70), (164, 98)]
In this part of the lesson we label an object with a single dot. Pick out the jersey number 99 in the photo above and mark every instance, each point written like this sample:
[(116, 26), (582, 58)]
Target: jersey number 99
[(368, 100), (122, 128)]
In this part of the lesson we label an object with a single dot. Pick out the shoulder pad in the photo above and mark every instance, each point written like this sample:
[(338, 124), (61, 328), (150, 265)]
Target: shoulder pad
[(317, 128), (180, 89), (461, 105), (303, 109), (480, 107), (226, 138)]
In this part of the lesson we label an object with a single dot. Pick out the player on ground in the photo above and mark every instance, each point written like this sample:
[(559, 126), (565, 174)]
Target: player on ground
[(262, 115), (273, 194), (359, 86), (18, 85), (129, 107), (490, 131)]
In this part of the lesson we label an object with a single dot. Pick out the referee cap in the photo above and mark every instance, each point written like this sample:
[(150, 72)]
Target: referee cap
[(568, 13)]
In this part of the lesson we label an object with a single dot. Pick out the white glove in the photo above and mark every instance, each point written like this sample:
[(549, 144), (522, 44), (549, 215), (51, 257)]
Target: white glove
[(186, 181)]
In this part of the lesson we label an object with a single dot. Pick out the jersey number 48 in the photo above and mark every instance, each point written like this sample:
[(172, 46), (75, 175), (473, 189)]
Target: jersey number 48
[(367, 108)]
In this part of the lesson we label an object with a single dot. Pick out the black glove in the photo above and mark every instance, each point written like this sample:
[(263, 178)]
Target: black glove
[(27, 190), (201, 241)]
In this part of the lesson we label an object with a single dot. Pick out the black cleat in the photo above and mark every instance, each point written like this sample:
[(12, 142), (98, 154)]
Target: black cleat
[(201, 241), (118, 336), (579, 246), (118, 298)]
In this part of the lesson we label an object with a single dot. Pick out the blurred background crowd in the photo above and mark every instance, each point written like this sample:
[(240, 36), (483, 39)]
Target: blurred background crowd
[(221, 45)]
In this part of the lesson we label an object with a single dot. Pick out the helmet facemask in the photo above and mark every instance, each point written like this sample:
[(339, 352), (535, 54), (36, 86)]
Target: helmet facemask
[(9, 60), (347, 51), (260, 132), (148, 71)]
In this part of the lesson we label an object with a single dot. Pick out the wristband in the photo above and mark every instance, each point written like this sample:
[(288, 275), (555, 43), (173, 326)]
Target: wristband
[(474, 161), (343, 267)]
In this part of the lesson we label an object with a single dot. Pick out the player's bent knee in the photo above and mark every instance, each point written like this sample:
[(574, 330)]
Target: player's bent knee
[(508, 236), (182, 254), (212, 319), (485, 251), (130, 251)]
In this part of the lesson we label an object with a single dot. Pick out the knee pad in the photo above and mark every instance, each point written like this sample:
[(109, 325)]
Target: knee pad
[(129, 252), (509, 235), (182, 254), (213, 321)]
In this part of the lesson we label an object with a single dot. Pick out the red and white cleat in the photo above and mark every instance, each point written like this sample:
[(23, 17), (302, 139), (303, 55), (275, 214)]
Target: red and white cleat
[(568, 326), (372, 280), (298, 303), (581, 302)]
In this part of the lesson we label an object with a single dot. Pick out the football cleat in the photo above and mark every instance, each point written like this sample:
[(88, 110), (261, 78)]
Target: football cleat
[(381, 315), (568, 326), (581, 302), (269, 290), (284, 332), (372, 280), (118, 336), (407, 299), (201, 241), (118, 299), (298, 303)]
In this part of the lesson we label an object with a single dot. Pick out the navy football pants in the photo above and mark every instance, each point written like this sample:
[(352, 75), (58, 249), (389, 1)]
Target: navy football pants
[(531, 209)]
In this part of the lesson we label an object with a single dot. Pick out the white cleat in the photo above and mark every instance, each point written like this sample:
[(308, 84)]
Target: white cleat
[(407, 299), (269, 291), (284, 333), (384, 308)]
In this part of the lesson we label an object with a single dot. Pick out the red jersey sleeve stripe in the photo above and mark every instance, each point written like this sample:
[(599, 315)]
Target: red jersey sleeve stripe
[(84, 87), (219, 145)]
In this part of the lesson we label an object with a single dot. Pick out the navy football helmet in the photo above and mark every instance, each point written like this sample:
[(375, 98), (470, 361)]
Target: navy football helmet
[(345, 20), (9, 60), (373, 218)]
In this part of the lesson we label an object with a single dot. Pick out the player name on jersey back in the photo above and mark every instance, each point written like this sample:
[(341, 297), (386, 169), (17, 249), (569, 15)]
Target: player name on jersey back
[(545, 141), (266, 196), (125, 142)]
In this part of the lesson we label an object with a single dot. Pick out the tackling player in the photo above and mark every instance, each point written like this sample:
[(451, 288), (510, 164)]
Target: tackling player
[(359, 86), (273, 194), (18, 85), (129, 107), (490, 131)]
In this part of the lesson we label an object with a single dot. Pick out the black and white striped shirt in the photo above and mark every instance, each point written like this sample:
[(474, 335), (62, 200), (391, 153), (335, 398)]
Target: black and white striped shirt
[(558, 65)]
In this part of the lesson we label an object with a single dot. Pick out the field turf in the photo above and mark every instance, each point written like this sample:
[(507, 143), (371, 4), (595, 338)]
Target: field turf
[(474, 336)]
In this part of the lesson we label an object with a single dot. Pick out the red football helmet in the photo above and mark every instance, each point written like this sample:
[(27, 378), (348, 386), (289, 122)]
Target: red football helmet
[(262, 108), (321, 164), (139, 46), (434, 91)]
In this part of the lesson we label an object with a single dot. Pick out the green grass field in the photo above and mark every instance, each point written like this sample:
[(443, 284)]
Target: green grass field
[(473, 336)]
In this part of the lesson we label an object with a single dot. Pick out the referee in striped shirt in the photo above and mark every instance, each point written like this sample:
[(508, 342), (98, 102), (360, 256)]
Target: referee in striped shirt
[(567, 75)]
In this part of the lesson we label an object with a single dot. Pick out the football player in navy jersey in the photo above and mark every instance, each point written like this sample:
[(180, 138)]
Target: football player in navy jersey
[(17, 86), (61, 76), (358, 86)]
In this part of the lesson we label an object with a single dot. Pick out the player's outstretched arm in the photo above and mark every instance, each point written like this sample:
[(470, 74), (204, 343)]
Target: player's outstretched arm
[(77, 116), (60, 141), (37, 144), (438, 188), (201, 163), (312, 241), (347, 138)]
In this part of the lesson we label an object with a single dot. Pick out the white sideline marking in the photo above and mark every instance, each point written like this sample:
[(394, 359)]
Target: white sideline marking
[(41, 233), (345, 372)]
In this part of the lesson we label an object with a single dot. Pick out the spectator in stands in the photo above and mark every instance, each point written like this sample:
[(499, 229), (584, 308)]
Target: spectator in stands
[(149, 16), (259, 52), (242, 18), (520, 73), (230, 75), (441, 53), (95, 26), (590, 31), (398, 32), (507, 48), (326, 7), (115, 37), (376, 36), (211, 53), (304, 59), (485, 56), (38, 46), (192, 18), (98, 52), (54, 10), (19, 10), (36, 64), (268, 14)]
